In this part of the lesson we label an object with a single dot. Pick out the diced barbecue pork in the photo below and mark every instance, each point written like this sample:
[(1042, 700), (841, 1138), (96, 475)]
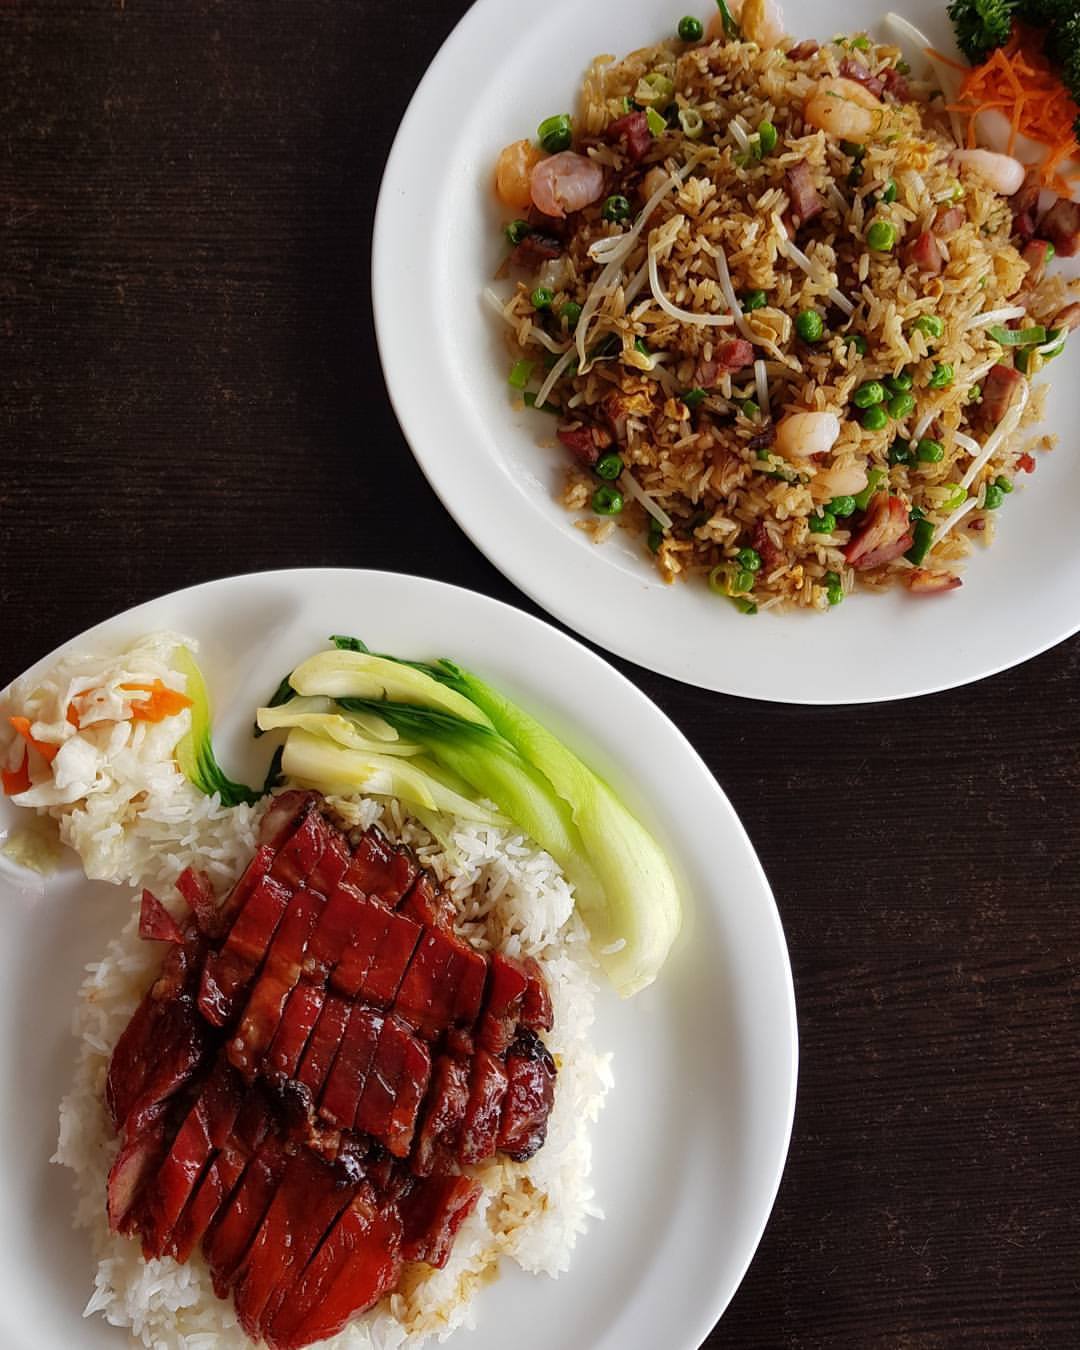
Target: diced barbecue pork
[(318, 1058), (806, 201), (1061, 225)]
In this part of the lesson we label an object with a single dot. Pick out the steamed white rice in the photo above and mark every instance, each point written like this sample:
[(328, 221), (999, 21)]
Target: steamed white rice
[(509, 895)]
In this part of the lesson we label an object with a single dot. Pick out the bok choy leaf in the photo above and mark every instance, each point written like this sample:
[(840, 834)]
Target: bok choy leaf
[(194, 751)]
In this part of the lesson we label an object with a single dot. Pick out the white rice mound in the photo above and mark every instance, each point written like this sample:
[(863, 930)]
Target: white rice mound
[(113, 788), (509, 895)]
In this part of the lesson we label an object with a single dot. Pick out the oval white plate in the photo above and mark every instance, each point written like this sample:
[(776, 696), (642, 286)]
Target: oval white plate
[(437, 244), (688, 1152)]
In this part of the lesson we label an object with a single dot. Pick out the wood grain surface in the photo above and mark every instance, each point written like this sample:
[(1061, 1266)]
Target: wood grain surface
[(190, 388)]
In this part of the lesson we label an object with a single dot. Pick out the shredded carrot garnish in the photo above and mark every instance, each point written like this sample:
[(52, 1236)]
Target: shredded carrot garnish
[(46, 751), (17, 780), (163, 702), (947, 60), (1018, 79)]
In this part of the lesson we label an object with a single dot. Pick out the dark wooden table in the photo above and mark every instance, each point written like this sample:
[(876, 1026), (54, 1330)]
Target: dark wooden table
[(190, 388)]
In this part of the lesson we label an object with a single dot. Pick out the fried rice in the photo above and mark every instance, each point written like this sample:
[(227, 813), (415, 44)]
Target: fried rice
[(628, 316)]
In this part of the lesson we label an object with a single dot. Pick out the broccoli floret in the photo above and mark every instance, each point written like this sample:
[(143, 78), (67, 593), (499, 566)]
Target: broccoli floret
[(1063, 48), (981, 25), (1046, 13)]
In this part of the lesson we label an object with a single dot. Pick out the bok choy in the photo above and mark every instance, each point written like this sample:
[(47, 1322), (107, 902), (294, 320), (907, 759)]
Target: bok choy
[(194, 751), (435, 736)]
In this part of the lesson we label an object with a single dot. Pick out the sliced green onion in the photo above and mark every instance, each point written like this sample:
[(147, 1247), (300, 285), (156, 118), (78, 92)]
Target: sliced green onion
[(654, 88), (692, 123), (556, 133), (693, 398), (731, 28), (542, 297), (922, 534), (530, 402), (656, 123), (767, 137), (1018, 337), (873, 479)]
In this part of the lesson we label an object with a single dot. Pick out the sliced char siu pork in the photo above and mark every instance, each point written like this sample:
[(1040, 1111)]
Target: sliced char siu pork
[(316, 1061)]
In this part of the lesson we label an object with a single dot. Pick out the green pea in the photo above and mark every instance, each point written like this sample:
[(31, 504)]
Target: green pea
[(889, 192), (930, 451), (993, 497), (742, 581), (752, 300), (842, 506), (691, 29), (655, 536), (881, 236), (517, 230), (899, 453), (520, 374), (767, 137), (941, 376), (749, 559), (875, 418), (556, 133), (743, 159), (1005, 484), (900, 384), (929, 324), (863, 43), (900, 405), (857, 341), (824, 523), (853, 149), (750, 410), (856, 174), (571, 312), (607, 501), (608, 467), (834, 592), (902, 68), (693, 398), (810, 325), (541, 298), (869, 394), (616, 208)]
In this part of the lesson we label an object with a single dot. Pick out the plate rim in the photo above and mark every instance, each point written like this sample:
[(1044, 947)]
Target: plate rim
[(713, 1306)]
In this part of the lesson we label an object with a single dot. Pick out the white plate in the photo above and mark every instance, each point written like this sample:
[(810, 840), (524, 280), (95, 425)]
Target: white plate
[(437, 244), (690, 1148)]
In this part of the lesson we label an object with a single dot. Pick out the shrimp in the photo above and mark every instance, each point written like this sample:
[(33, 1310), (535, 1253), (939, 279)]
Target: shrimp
[(512, 170), (760, 21), (1002, 173), (565, 182), (843, 109), (801, 434), (840, 480)]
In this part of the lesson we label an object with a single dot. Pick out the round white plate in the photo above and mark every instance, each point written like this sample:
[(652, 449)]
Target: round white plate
[(688, 1152), (438, 242)]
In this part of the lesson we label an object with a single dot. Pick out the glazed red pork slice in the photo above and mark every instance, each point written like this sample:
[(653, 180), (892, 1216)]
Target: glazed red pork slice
[(431, 1214), (276, 981), (294, 1030), (480, 1128), (379, 869), (394, 1088), (306, 1204), (358, 1262), (384, 975), (345, 1081), (252, 1124), (347, 976), (239, 1219), (206, 1128), (506, 989), (227, 972), (530, 1093), (444, 1111)]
